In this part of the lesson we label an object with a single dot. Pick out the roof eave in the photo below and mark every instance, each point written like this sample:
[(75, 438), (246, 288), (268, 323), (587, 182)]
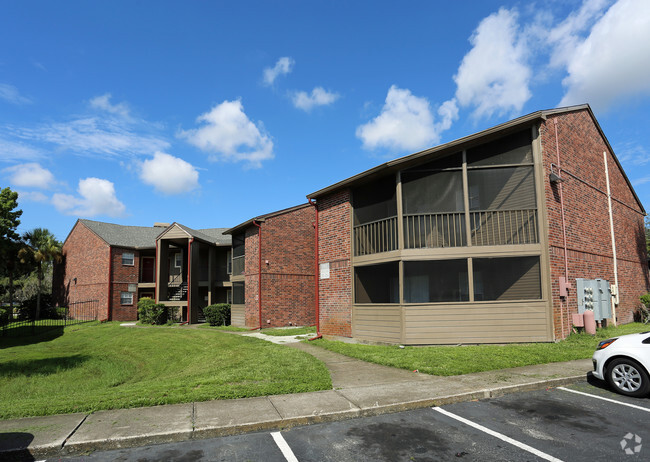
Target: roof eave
[(398, 163)]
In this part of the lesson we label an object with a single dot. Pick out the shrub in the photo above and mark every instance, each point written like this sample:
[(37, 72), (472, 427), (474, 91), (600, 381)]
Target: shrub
[(5, 315), (27, 309), (151, 313), (217, 314), (645, 299)]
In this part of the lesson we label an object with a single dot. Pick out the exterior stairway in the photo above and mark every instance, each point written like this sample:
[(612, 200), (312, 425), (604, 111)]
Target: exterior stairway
[(178, 293)]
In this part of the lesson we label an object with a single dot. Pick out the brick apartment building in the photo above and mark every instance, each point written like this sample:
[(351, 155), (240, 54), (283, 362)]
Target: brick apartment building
[(496, 237), (117, 265), (281, 269)]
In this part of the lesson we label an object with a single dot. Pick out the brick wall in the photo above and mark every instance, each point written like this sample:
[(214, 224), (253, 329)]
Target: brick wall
[(287, 270), (590, 253), (85, 257), (123, 275), (334, 243)]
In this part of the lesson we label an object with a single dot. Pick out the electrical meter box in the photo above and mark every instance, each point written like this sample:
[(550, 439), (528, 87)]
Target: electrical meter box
[(594, 295)]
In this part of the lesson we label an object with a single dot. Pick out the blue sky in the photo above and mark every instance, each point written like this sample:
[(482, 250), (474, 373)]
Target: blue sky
[(210, 113)]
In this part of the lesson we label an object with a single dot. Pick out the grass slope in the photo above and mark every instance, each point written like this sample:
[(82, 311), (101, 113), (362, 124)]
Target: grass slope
[(92, 367), (456, 360)]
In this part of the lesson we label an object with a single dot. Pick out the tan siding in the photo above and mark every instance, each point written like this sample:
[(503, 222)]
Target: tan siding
[(377, 323), (477, 323), (175, 233), (238, 315)]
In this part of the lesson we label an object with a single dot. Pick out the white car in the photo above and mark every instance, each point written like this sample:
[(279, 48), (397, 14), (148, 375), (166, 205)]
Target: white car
[(624, 362)]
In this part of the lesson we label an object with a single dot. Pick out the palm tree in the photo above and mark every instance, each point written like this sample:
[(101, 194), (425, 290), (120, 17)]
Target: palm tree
[(41, 247)]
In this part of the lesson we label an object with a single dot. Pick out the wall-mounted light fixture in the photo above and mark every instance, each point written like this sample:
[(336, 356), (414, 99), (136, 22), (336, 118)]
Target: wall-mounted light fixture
[(555, 178)]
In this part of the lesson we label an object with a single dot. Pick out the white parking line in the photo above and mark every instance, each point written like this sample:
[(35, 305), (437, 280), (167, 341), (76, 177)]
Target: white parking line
[(284, 447), (605, 399), (501, 436)]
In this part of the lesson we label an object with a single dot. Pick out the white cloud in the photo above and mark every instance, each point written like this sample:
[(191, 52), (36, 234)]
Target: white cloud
[(228, 134), (493, 76), (96, 136), (565, 36), (103, 102), (169, 174), (97, 197), (32, 196), (10, 94), (319, 97), (406, 123), (30, 175), (613, 62), (17, 151), (283, 66)]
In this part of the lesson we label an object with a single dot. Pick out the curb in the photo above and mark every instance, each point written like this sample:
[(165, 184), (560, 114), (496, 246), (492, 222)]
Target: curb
[(77, 449)]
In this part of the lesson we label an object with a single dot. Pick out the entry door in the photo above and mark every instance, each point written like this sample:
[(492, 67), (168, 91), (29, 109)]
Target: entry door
[(148, 269)]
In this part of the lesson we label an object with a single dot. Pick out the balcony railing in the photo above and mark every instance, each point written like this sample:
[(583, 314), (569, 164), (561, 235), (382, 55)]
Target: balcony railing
[(432, 230), (238, 265), (375, 236), (504, 227)]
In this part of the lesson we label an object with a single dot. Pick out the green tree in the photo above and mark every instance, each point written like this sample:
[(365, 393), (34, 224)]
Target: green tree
[(41, 249), (9, 238), (9, 216)]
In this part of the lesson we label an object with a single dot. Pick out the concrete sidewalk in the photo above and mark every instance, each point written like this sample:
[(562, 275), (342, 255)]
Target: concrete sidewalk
[(359, 389)]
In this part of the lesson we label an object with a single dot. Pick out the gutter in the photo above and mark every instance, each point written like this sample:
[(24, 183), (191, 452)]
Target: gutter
[(316, 263)]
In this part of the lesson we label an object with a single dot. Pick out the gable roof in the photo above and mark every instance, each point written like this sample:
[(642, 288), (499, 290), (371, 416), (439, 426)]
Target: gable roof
[(144, 237), (210, 235), (461, 143), (260, 218)]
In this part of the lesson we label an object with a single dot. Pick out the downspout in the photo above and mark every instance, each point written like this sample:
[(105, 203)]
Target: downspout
[(259, 271), (189, 280), (155, 275), (316, 263), (566, 256), (611, 229), (109, 305)]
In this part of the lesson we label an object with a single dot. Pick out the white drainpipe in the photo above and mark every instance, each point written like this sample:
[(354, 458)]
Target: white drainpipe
[(611, 229)]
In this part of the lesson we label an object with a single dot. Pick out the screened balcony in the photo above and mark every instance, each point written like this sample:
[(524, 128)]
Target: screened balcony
[(484, 196)]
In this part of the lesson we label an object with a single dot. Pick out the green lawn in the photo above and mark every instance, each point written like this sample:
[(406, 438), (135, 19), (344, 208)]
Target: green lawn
[(456, 360), (104, 366)]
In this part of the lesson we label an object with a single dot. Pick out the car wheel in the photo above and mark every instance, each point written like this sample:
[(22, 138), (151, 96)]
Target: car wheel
[(627, 377)]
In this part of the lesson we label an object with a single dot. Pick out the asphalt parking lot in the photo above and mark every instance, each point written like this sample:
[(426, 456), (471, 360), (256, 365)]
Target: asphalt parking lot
[(584, 422)]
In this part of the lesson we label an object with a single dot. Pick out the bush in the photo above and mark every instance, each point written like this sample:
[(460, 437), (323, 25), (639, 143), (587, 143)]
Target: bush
[(6, 315), (217, 314), (27, 309), (645, 299), (151, 313)]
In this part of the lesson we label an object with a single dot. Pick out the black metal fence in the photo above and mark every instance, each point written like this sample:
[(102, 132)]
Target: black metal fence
[(22, 323)]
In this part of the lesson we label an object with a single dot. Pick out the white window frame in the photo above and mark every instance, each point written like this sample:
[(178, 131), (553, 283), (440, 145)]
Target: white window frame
[(126, 297), (125, 259), (178, 260)]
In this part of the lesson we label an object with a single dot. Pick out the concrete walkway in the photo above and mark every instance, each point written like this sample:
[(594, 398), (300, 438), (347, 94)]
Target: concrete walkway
[(359, 389)]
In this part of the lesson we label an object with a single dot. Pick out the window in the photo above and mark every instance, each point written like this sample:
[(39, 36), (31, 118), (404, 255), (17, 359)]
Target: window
[(238, 293), (128, 259), (229, 296), (377, 283), (228, 263), (178, 260), (126, 298), (507, 278), (436, 281)]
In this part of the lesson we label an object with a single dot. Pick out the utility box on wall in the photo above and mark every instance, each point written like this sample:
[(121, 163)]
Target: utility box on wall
[(595, 295)]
